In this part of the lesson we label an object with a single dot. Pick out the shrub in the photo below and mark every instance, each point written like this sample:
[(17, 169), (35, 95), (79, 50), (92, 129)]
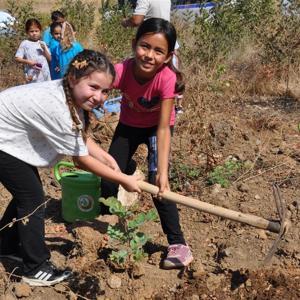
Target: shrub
[(111, 36), (80, 14), (219, 32), (281, 41), (22, 12)]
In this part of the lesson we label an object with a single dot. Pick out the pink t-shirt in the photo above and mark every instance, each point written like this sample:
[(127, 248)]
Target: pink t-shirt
[(140, 106)]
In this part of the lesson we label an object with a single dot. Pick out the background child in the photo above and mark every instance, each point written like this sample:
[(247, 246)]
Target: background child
[(148, 85), (56, 17), (34, 135), (67, 48), (34, 54), (55, 29), (146, 9)]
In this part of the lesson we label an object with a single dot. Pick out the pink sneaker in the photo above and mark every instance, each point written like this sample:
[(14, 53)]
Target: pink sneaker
[(179, 256)]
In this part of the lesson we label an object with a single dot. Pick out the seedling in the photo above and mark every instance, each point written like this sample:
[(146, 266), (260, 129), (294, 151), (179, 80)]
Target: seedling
[(181, 173), (223, 174), (127, 233)]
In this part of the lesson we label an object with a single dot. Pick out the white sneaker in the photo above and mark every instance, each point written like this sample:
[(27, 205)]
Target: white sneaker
[(46, 275)]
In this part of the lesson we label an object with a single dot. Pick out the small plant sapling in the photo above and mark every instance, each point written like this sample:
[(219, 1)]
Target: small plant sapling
[(127, 233), (223, 174)]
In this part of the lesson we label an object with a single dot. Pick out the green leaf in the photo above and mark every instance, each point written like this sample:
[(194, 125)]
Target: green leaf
[(142, 218), (118, 257), (139, 240), (115, 207), (151, 215), (138, 221), (116, 233), (138, 254)]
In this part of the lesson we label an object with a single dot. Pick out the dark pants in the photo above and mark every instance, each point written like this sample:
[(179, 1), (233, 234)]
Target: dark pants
[(124, 144), (23, 182)]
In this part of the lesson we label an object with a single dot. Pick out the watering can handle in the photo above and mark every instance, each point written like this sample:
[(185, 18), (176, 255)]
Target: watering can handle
[(61, 164)]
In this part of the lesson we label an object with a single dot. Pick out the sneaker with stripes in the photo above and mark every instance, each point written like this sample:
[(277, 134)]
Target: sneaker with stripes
[(46, 275)]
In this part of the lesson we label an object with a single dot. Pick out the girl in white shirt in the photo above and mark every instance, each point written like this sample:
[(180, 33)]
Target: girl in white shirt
[(40, 123), (34, 54)]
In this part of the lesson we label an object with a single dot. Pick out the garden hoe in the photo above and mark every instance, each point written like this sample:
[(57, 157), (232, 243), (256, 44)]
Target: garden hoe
[(280, 227)]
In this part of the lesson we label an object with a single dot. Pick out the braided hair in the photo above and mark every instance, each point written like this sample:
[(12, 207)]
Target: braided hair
[(82, 65)]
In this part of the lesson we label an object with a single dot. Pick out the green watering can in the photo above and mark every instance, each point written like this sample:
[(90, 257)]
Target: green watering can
[(80, 193)]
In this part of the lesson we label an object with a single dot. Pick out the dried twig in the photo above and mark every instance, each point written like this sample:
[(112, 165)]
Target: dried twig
[(23, 219), (265, 171)]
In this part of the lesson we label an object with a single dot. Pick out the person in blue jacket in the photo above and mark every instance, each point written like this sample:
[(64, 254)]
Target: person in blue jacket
[(57, 17), (55, 29), (67, 49)]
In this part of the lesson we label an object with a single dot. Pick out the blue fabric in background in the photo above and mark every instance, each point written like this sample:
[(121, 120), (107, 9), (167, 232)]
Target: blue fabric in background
[(64, 57), (47, 37), (54, 63)]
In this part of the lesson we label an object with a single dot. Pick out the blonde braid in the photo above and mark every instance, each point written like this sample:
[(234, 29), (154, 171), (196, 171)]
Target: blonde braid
[(77, 123)]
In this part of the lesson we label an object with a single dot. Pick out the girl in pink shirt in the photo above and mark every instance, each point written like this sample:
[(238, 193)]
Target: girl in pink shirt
[(149, 83)]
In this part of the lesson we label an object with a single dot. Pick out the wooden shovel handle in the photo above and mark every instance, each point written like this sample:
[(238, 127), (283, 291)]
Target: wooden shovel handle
[(213, 209)]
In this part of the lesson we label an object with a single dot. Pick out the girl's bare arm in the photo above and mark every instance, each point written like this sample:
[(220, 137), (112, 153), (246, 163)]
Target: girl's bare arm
[(46, 52), (91, 164), (25, 61), (97, 152), (163, 144)]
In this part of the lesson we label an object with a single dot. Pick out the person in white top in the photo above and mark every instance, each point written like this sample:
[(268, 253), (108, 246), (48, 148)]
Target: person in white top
[(146, 9), (34, 54), (39, 123)]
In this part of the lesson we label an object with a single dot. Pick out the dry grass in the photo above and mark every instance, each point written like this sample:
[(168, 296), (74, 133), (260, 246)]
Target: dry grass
[(45, 6), (41, 6)]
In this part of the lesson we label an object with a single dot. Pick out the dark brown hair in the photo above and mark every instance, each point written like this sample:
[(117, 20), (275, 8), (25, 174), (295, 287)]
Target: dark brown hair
[(53, 26), (55, 15), (157, 25), (32, 22)]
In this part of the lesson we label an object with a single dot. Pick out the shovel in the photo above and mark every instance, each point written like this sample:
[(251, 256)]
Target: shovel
[(280, 227)]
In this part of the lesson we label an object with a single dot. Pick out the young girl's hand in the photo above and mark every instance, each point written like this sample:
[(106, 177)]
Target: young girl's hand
[(31, 63), (162, 182), (43, 46), (131, 183), (45, 50)]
